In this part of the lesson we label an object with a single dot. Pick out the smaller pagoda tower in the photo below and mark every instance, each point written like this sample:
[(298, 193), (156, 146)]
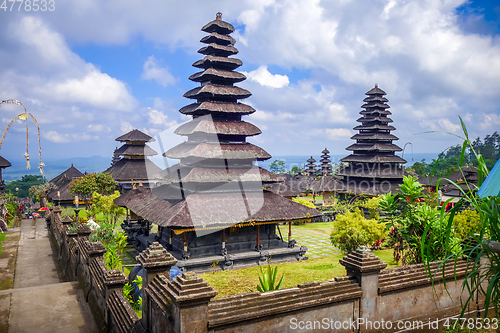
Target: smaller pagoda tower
[(134, 166), (326, 166), (311, 167), (373, 168), (115, 157)]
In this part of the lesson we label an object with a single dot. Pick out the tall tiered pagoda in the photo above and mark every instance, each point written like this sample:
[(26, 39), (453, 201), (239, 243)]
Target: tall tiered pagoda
[(326, 163), (220, 211), (134, 166), (373, 168)]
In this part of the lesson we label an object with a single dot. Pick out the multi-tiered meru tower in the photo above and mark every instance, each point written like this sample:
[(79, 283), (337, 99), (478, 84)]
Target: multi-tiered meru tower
[(373, 167), (220, 211), (134, 166)]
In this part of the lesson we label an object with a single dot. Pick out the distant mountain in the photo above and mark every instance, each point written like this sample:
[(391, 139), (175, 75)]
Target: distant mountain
[(53, 168)]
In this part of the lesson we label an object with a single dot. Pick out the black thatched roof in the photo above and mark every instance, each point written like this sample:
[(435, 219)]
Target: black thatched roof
[(292, 186), (128, 169), (135, 136), (4, 163), (227, 209), (218, 174), (218, 182), (373, 160), (144, 204), (61, 183), (135, 150)]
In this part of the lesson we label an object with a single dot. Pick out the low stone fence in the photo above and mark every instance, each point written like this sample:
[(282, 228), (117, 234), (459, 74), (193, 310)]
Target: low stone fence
[(370, 298)]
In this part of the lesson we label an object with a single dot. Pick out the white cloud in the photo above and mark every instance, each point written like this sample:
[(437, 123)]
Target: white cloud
[(265, 78), (95, 88), (152, 71), (159, 118), (338, 133), (126, 127)]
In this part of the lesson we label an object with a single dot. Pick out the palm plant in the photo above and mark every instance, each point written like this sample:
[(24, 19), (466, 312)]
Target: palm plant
[(481, 249)]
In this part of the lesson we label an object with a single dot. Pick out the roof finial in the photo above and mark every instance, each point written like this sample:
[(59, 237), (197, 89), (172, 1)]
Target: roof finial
[(218, 16), (376, 85)]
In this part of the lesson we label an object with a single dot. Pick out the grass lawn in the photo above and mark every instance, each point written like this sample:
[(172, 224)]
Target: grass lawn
[(324, 227), (239, 281)]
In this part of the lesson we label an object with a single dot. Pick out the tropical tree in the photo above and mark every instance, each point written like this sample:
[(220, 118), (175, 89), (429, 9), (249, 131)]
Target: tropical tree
[(277, 166), (84, 187), (105, 205)]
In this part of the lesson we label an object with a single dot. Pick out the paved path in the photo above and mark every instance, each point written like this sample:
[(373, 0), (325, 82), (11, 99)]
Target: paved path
[(318, 243), (39, 302)]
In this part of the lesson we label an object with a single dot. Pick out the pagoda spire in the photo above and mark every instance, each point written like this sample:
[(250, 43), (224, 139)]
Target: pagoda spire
[(326, 166), (216, 137), (373, 158), (310, 166)]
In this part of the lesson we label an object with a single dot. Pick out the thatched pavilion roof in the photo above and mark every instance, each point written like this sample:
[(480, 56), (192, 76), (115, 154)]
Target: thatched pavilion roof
[(61, 183), (4, 163)]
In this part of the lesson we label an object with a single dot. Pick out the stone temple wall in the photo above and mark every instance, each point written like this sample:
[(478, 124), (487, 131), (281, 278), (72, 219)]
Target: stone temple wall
[(366, 298)]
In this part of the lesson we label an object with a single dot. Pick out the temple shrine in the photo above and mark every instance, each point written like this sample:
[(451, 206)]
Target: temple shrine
[(219, 211), (373, 168), (134, 166)]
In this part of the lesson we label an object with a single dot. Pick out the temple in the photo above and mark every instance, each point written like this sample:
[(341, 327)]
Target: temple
[(311, 167), (134, 166), (219, 211), (373, 168), (60, 194)]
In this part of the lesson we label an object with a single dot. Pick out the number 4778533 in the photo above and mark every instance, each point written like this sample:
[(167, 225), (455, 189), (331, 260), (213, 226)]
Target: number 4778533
[(28, 5)]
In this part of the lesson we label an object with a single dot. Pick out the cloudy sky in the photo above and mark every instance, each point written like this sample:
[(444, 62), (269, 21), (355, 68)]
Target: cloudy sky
[(91, 70)]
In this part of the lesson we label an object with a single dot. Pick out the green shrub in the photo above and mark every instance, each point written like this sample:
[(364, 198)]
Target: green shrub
[(352, 229), (466, 223), (372, 205), (304, 202)]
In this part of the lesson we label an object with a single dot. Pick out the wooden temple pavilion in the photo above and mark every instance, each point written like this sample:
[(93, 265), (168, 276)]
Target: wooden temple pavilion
[(3, 164), (373, 168), (220, 211), (60, 194), (134, 166)]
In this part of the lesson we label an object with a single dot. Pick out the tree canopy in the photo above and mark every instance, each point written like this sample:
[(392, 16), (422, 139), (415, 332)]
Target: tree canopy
[(277, 166), (102, 183), (24, 184)]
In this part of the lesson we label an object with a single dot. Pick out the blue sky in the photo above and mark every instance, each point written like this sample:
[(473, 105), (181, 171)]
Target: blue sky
[(90, 70)]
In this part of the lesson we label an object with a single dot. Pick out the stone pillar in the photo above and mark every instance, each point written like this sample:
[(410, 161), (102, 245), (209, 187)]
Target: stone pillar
[(112, 280), (83, 231), (190, 296), (154, 260), (365, 266), (54, 216)]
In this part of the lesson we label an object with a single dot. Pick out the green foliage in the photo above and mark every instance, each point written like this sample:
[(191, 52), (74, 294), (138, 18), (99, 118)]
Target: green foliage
[(267, 279), (466, 223), (483, 267), (352, 229), (452, 158), (24, 185), (304, 202), (111, 259), (128, 290), (294, 170), (408, 215), (372, 205), (101, 183), (121, 240), (104, 204), (277, 166), (12, 208)]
